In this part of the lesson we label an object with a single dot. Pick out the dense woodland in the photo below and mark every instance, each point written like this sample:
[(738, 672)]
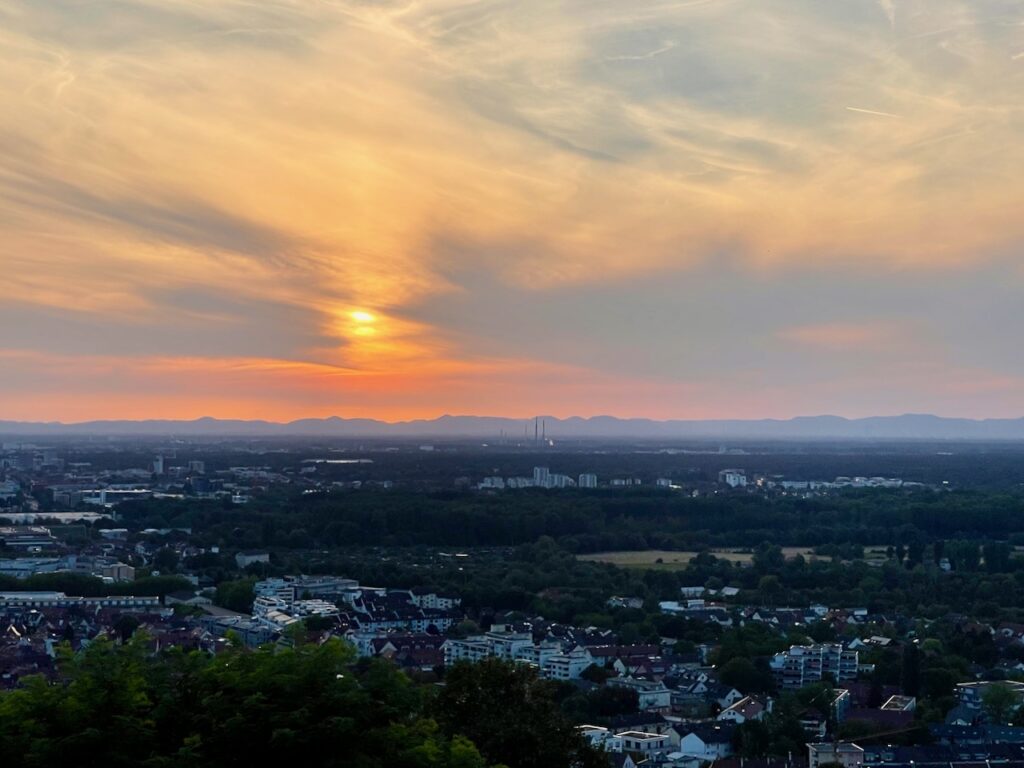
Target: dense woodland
[(122, 706), (521, 546), (591, 521)]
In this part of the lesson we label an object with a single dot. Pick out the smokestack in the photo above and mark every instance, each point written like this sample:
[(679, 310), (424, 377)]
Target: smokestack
[(544, 429), (535, 421)]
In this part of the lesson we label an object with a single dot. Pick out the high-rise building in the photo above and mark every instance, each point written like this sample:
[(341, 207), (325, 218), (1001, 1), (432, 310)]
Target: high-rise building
[(805, 664), (542, 477), (588, 480), (734, 478), (158, 465), (560, 481)]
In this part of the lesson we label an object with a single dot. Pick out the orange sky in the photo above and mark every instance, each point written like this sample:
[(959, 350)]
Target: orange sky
[(707, 208)]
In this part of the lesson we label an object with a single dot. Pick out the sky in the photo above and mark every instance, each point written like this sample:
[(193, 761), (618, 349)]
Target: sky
[(399, 209)]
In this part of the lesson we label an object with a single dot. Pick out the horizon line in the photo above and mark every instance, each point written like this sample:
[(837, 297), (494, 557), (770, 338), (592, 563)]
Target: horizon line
[(530, 418)]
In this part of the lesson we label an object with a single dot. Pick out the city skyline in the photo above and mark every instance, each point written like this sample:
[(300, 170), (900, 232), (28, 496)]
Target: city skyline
[(395, 210)]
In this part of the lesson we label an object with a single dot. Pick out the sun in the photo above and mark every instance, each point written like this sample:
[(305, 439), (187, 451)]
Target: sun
[(362, 317)]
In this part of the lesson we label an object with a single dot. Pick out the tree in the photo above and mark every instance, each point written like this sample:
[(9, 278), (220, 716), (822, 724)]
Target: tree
[(965, 555), (165, 560), (125, 626), (464, 754), (752, 739), (714, 584), (604, 702), (768, 558), (236, 595), (915, 553), (997, 556), (741, 674), (511, 716), (769, 587), (120, 706), (464, 628), (875, 694), (910, 670), (937, 682), (999, 702), (938, 550), (596, 674)]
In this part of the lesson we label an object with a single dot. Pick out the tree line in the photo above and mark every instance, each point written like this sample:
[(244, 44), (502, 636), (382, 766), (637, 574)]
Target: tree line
[(119, 705)]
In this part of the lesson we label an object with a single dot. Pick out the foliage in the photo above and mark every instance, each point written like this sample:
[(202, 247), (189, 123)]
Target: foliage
[(742, 674), (999, 702), (511, 715), (235, 595), (120, 706)]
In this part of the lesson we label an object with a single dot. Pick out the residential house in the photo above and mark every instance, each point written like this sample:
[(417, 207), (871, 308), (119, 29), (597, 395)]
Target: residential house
[(652, 696), (641, 743), (708, 741), (846, 755), (747, 708)]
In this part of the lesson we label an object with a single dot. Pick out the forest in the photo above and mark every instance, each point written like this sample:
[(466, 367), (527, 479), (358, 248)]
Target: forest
[(589, 521)]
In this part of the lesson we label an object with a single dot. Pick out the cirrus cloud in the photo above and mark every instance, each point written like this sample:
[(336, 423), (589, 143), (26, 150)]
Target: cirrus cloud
[(305, 161)]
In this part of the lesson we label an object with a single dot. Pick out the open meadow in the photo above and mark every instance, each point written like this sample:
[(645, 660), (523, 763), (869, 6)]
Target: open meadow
[(664, 560)]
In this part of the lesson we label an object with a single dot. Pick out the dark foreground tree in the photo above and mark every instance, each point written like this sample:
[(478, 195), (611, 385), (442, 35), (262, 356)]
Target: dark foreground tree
[(120, 706), (512, 717)]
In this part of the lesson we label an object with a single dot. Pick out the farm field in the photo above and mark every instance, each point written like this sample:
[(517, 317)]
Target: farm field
[(664, 560)]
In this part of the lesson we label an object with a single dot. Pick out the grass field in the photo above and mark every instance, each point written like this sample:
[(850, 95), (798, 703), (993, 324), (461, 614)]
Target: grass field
[(676, 561)]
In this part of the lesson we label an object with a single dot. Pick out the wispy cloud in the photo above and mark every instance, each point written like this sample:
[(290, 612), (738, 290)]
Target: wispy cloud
[(644, 56), (871, 112), (310, 160), (847, 336), (889, 9)]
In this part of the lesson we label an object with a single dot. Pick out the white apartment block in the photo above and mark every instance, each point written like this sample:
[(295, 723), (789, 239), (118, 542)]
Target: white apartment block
[(734, 478), (549, 658), (435, 601), (471, 649), (805, 664), (539, 655), (567, 666)]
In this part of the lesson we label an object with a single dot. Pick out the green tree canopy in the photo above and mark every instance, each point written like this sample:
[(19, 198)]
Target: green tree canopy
[(121, 706)]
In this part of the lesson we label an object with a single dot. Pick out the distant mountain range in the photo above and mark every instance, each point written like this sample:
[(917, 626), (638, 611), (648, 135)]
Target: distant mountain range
[(906, 427)]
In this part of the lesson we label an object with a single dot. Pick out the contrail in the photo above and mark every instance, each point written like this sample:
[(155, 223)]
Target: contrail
[(872, 112), (643, 56)]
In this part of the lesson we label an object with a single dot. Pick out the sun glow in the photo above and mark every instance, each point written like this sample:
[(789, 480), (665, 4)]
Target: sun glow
[(430, 196)]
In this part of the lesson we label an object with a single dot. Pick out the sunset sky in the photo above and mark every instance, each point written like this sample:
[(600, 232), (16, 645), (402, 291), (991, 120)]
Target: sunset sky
[(701, 208)]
